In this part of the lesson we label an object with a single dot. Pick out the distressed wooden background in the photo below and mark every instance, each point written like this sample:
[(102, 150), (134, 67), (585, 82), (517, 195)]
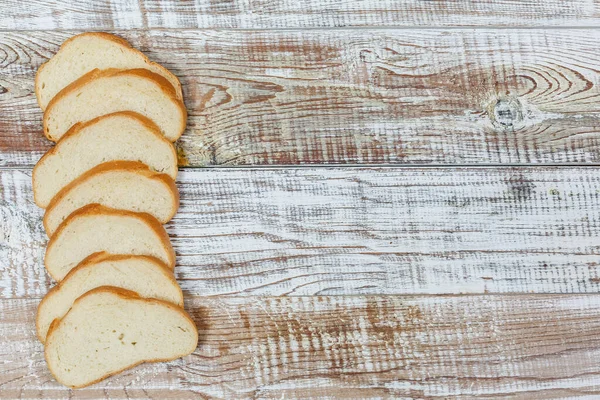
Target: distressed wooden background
[(400, 199)]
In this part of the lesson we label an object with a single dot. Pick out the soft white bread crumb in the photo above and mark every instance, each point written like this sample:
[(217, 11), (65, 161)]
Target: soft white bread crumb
[(95, 228), (124, 185), (119, 136), (147, 276), (108, 330), (86, 52), (102, 92)]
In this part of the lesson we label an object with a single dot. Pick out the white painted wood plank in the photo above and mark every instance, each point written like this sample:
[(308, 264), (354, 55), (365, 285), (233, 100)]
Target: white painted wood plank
[(278, 14), (491, 347), (352, 96), (314, 231)]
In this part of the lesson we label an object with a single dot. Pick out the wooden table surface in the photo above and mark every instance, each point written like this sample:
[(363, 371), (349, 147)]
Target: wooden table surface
[(379, 199)]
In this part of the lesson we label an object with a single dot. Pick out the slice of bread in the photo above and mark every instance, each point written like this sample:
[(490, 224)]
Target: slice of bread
[(124, 185), (95, 228), (102, 92), (119, 136), (86, 52), (109, 330), (147, 276)]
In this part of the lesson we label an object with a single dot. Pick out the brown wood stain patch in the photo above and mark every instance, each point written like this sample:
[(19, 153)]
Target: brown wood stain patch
[(352, 96)]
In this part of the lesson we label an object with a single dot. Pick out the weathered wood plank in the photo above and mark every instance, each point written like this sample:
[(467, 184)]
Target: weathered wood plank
[(518, 347), (316, 231), (133, 14), (352, 96)]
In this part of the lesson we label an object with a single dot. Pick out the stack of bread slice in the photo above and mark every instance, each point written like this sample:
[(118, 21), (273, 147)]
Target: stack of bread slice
[(107, 186)]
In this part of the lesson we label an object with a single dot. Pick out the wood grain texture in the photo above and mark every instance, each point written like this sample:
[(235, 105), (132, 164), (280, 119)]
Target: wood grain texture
[(345, 231), (352, 96), (491, 347), (133, 14)]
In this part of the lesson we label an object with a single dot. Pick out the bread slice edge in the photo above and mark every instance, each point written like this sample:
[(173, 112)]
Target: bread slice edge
[(97, 258), (161, 81), (121, 165), (98, 209), (120, 41), (128, 295), (75, 129)]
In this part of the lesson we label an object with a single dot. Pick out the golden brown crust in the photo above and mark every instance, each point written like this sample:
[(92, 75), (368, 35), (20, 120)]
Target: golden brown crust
[(127, 295), (121, 165), (97, 209), (161, 81), (92, 258), (51, 328), (119, 41), (75, 129), (145, 121), (93, 74), (165, 86), (37, 316), (36, 85), (104, 35), (97, 258), (103, 256)]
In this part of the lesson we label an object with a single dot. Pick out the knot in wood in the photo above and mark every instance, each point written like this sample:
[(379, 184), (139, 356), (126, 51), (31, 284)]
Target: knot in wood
[(507, 113)]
